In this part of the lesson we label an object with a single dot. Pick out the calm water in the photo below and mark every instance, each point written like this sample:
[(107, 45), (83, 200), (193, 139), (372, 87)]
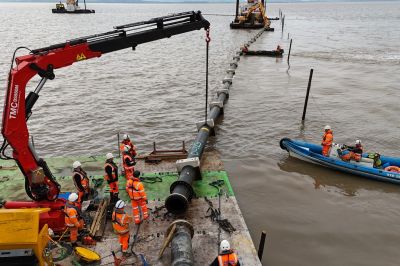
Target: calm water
[(312, 216)]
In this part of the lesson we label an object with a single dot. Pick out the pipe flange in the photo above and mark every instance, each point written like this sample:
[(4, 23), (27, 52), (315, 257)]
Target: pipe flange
[(219, 104), (219, 91), (209, 123), (193, 162), (188, 186), (227, 80), (180, 222), (230, 70)]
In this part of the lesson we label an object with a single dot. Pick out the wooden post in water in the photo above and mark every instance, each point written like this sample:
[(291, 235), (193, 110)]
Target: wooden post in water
[(33, 142), (308, 92), (283, 23), (237, 10), (119, 150), (290, 49), (261, 245)]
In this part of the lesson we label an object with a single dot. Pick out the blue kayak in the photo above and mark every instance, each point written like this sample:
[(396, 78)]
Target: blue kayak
[(312, 153)]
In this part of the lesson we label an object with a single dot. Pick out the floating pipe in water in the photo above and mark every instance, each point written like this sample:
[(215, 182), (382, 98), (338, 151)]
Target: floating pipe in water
[(181, 190)]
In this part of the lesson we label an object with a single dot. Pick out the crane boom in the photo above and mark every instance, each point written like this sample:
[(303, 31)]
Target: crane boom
[(40, 184)]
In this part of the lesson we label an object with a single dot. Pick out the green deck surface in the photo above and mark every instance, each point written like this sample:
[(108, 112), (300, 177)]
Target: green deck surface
[(12, 181), (160, 190)]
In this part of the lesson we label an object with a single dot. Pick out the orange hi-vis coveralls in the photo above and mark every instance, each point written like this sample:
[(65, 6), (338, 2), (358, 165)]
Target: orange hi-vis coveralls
[(81, 181), (355, 153), (129, 165), (73, 220), (138, 197), (228, 259), (120, 221), (326, 143), (111, 177), (132, 149)]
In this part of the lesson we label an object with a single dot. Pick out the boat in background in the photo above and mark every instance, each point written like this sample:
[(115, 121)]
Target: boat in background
[(273, 53), (312, 153), (72, 8)]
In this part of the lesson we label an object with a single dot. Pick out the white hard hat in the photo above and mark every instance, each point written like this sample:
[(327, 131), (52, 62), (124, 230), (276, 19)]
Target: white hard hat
[(126, 136), (358, 142), (120, 204), (76, 164), (127, 148), (72, 197), (327, 127), (225, 246), (109, 156)]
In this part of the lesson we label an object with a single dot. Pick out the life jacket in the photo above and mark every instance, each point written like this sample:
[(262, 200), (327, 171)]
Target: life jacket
[(114, 169), (327, 139), (72, 214), (228, 259), (135, 189), (84, 180), (377, 159), (120, 222)]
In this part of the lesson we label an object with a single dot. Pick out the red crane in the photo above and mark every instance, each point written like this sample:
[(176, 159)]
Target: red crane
[(40, 184)]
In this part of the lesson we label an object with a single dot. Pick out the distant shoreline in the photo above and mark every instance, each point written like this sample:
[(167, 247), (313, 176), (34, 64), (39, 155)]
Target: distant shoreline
[(191, 1)]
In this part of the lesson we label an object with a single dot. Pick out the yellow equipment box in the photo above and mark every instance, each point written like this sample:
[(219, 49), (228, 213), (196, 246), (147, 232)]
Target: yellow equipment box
[(19, 232)]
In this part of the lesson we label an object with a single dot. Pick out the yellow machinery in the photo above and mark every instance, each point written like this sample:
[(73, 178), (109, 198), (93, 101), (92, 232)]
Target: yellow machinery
[(258, 16), (20, 236), (251, 15)]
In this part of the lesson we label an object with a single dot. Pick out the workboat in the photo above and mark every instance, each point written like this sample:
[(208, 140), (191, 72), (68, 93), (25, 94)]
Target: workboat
[(251, 15), (274, 53), (367, 167), (72, 8)]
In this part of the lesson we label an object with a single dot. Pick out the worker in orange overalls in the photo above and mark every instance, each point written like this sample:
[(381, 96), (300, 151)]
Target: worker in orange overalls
[(226, 256), (81, 181), (128, 162), (327, 140), (73, 218), (120, 221), (352, 153), (111, 177), (138, 197), (126, 141)]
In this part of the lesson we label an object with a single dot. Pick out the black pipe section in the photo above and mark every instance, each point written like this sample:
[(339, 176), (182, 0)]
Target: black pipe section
[(181, 246), (181, 190)]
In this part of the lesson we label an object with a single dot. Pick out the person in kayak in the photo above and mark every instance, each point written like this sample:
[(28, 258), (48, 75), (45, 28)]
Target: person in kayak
[(327, 140), (352, 152)]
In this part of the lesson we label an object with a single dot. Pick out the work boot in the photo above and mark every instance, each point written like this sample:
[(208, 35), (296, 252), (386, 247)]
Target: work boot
[(126, 254)]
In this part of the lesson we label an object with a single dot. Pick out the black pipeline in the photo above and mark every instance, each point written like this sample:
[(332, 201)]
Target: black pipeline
[(181, 190)]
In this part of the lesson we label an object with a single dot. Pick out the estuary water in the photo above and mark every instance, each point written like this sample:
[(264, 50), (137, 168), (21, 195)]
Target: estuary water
[(312, 216)]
